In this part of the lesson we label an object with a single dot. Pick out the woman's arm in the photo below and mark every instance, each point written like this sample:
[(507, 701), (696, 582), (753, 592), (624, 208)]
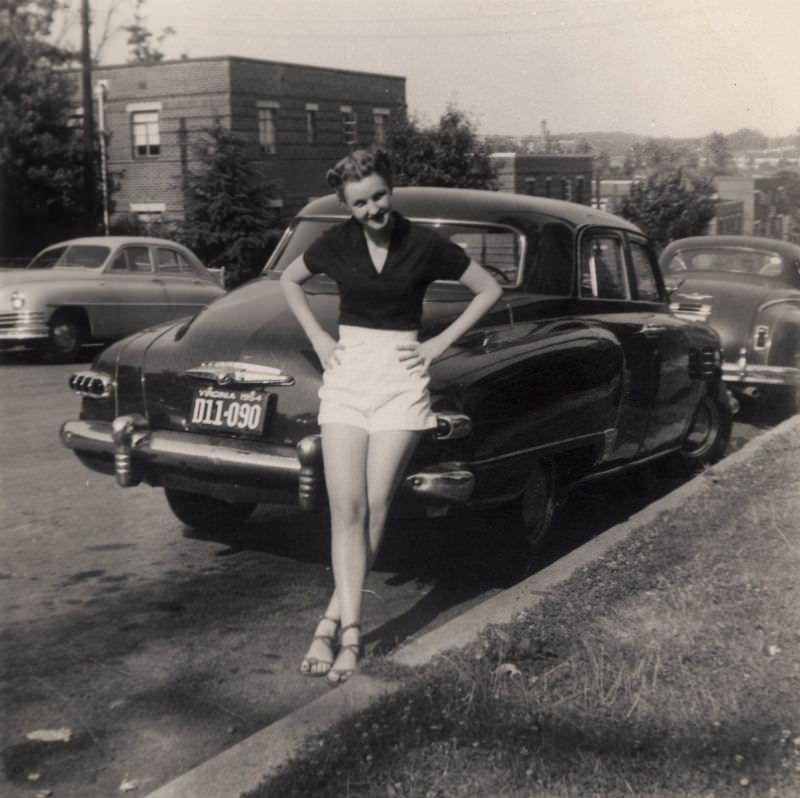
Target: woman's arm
[(487, 291), (292, 279)]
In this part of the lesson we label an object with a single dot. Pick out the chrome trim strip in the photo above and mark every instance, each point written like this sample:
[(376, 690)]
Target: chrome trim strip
[(600, 437), (227, 372)]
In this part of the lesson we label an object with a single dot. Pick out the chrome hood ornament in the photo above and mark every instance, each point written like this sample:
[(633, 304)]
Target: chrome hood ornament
[(227, 372)]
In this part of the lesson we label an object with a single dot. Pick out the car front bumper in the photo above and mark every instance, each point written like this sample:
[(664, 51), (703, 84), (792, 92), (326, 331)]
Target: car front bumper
[(133, 452), (22, 327)]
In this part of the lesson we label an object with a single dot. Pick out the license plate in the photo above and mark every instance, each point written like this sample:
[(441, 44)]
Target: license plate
[(229, 411)]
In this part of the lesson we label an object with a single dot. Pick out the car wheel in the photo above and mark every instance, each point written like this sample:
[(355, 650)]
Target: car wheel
[(709, 434), (537, 506), (205, 513), (66, 336)]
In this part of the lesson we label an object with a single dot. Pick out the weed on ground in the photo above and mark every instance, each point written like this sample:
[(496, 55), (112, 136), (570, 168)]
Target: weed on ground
[(669, 668)]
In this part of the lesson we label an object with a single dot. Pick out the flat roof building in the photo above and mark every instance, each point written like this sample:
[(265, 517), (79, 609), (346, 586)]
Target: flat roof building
[(298, 120)]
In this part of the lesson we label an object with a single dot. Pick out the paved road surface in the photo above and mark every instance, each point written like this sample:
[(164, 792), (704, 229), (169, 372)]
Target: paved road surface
[(156, 651)]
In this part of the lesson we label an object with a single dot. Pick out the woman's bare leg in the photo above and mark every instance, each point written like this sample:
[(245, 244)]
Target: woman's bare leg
[(344, 452), (387, 456)]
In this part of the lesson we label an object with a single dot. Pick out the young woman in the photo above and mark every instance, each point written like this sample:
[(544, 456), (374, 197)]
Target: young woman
[(374, 402)]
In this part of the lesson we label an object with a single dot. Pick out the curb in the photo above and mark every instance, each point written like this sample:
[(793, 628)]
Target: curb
[(249, 763)]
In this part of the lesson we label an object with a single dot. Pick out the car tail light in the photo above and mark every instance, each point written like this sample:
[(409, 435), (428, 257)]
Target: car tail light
[(91, 384)]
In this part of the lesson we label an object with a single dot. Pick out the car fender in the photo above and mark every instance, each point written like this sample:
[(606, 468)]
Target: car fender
[(548, 388), (784, 344)]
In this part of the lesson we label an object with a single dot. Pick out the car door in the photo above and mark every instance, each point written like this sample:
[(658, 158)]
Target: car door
[(139, 294), (668, 339), (605, 294), (188, 291)]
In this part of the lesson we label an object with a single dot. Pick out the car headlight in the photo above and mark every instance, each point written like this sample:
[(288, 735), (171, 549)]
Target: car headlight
[(17, 300)]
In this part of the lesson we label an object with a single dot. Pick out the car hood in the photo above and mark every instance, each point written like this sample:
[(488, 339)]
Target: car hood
[(253, 325), (733, 304)]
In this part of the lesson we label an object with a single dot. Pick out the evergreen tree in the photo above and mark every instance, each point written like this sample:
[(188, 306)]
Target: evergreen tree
[(229, 221)]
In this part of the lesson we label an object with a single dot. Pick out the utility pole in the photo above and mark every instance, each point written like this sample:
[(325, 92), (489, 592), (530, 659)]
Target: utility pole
[(89, 183)]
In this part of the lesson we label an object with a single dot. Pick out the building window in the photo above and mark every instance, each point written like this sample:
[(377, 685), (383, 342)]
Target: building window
[(267, 127), (146, 134), (75, 119), (349, 126), (548, 181), (380, 120), (311, 123), (579, 189)]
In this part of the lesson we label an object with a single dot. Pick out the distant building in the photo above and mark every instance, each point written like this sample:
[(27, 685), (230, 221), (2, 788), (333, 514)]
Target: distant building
[(298, 120), (567, 177), (759, 197), (610, 193)]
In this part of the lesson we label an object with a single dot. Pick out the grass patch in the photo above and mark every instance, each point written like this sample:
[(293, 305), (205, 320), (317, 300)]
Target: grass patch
[(668, 668)]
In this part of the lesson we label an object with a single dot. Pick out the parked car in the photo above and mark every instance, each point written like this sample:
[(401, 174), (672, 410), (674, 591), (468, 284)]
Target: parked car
[(748, 289), (99, 289), (579, 371)]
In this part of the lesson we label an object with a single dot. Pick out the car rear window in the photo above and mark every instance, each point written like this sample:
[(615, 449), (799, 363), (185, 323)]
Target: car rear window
[(726, 259), (496, 247)]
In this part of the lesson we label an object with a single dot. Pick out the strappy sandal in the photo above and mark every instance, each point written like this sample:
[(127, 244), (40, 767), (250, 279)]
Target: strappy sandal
[(309, 666), (337, 676)]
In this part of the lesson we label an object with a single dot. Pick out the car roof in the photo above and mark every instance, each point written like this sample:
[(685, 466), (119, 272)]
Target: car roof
[(475, 205), (785, 248), (113, 241)]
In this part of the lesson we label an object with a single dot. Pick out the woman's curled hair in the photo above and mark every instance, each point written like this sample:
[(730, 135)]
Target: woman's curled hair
[(358, 165)]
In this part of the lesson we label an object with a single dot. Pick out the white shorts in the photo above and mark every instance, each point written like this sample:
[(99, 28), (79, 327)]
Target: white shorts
[(371, 388)]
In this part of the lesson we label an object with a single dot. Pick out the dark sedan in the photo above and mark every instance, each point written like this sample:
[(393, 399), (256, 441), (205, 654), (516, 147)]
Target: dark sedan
[(579, 371), (748, 289)]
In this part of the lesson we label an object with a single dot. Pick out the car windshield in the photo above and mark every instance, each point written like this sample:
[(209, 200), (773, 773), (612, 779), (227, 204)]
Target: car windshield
[(85, 256), (727, 259), (494, 247)]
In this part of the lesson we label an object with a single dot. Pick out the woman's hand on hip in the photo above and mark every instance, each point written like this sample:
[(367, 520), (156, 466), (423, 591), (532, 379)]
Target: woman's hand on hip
[(418, 355), (327, 350)]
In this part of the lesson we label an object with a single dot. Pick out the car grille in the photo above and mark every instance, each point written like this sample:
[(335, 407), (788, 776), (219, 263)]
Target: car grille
[(22, 318)]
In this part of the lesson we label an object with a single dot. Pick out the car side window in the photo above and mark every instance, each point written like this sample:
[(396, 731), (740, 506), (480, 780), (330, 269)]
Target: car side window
[(645, 286), (603, 268), (120, 262), (138, 259), (167, 261)]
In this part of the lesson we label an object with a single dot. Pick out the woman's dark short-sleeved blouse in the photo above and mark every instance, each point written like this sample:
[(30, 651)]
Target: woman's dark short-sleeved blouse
[(392, 298)]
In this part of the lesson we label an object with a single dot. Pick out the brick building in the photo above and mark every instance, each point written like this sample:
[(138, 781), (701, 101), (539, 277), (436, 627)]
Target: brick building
[(567, 177), (298, 119)]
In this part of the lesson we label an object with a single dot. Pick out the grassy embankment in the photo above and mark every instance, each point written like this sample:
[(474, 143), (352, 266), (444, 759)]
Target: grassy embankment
[(670, 668)]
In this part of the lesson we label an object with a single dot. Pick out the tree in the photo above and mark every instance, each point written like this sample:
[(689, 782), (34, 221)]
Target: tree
[(718, 154), (140, 39), (670, 203), (41, 158), (228, 221), (448, 154)]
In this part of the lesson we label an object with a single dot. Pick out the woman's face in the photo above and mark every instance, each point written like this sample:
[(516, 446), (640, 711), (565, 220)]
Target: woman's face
[(370, 202)]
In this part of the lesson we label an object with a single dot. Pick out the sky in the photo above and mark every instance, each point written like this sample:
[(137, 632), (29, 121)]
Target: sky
[(677, 68)]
